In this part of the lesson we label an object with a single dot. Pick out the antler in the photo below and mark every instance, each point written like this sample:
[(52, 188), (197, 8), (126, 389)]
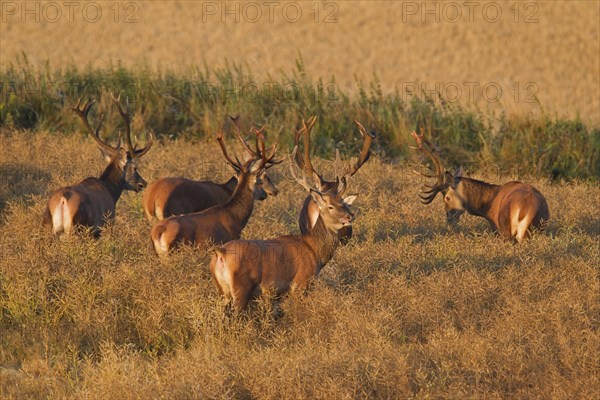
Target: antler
[(365, 154), (235, 164), (136, 153), (304, 162), (265, 162), (125, 116), (259, 154), (303, 182), (426, 147), (83, 114), (236, 121)]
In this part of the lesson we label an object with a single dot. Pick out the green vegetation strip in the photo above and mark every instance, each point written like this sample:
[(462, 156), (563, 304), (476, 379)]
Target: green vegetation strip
[(196, 104)]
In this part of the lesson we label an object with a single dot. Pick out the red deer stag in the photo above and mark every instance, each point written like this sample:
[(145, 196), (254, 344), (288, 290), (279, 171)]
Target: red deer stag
[(92, 202), (222, 223), (177, 196), (310, 211), (512, 209), (242, 268)]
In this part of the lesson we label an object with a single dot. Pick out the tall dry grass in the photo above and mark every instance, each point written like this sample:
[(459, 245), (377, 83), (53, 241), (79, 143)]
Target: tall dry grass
[(408, 310)]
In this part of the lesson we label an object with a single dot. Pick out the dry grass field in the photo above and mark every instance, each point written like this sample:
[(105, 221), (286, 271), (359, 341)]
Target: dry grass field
[(545, 50), (409, 309)]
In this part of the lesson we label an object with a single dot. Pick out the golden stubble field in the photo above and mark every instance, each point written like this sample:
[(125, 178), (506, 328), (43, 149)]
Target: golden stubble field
[(409, 309), (541, 49)]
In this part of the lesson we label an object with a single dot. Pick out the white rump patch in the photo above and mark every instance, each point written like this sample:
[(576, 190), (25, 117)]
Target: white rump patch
[(160, 245), (61, 218), (518, 229), (223, 275)]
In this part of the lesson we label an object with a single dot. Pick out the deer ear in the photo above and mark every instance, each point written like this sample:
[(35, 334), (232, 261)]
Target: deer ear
[(350, 199), (317, 198), (459, 172), (107, 156), (453, 179), (254, 167), (449, 178)]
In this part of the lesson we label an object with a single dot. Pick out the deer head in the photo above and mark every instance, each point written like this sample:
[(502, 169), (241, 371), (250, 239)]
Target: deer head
[(333, 207), (123, 160), (343, 174), (255, 164), (447, 183)]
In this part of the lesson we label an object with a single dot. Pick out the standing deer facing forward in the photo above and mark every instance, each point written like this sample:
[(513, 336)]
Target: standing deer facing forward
[(92, 202), (242, 268), (310, 210), (222, 223), (512, 209), (176, 196)]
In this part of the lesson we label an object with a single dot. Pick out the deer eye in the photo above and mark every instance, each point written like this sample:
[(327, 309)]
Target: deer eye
[(448, 198), (331, 207)]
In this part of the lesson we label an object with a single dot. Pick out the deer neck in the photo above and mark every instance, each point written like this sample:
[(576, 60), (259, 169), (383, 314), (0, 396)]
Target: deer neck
[(112, 179), (230, 185), (477, 196), (323, 241), (241, 202)]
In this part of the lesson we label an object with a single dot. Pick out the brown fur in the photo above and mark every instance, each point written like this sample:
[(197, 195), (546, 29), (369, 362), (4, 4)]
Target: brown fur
[(242, 268), (309, 212), (176, 196), (505, 207), (218, 224), (92, 202), (167, 197)]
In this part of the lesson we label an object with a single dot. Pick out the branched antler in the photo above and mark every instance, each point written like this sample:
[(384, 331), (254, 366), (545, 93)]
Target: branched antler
[(83, 114), (432, 190)]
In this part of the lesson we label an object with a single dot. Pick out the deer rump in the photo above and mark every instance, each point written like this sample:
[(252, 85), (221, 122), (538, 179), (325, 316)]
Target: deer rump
[(244, 267), (518, 208), (88, 204)]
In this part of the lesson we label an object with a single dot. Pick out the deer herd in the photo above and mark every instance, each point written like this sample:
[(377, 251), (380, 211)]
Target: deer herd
[(211, 216)]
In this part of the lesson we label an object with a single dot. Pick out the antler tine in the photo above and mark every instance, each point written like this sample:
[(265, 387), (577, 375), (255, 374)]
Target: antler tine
[(236, 124), (83, 114), (257, 132), (236, 164), (340, 172), (125, 117), (432, 190), (149, 143), (303, 182), (262, 152), (308, 167), (428, 198), (428, 150), (365, 152), (299, 159)]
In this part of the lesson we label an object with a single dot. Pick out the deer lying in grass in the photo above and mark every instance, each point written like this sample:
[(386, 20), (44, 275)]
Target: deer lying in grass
[(310, 211), (177, 196), (512, 209), (92, 202), (222, 223), (242, 268)]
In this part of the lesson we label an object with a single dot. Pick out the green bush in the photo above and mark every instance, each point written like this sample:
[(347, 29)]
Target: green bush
[(196, 103)]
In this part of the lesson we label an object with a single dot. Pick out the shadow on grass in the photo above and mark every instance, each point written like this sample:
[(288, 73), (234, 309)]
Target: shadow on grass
[(20, 181)]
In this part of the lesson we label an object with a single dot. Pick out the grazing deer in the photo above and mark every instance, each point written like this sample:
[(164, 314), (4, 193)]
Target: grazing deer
[(221, 223), (92, 202), (512, 209), (242, 268), (310, 211), (177, 196)]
